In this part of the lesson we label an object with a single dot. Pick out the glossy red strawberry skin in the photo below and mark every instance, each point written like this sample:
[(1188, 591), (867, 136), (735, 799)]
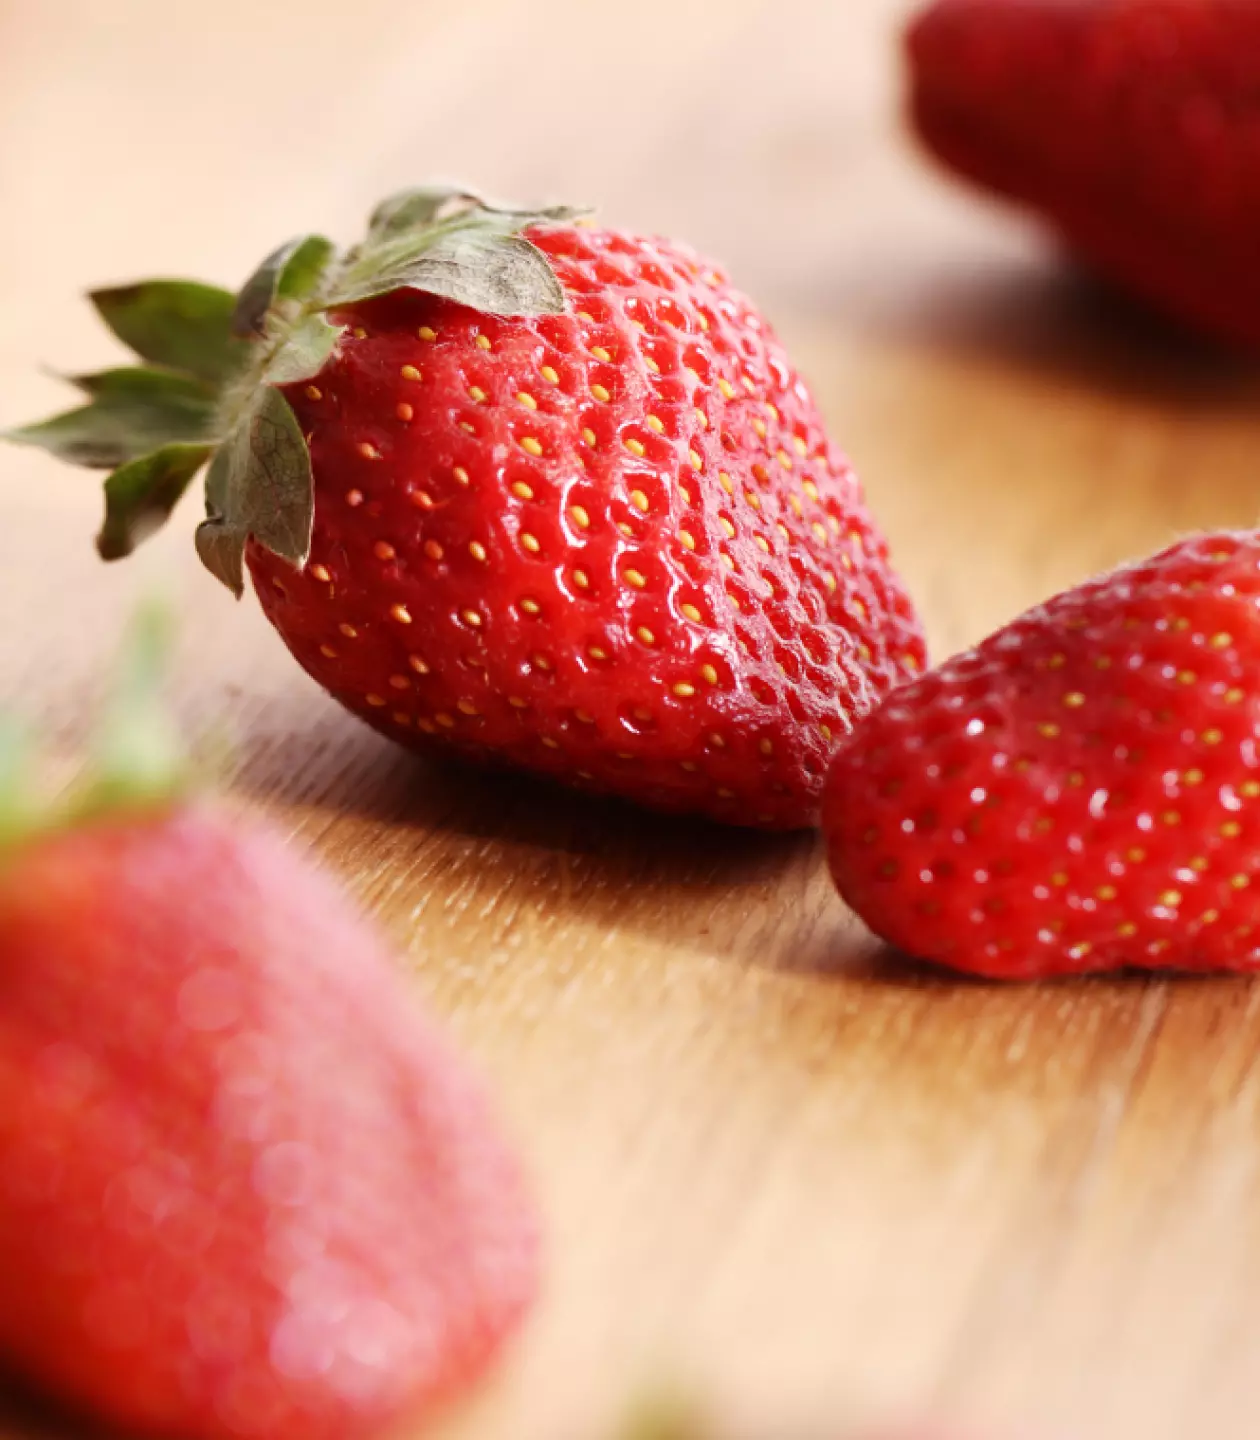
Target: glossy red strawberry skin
[(245, 1191), (1133, 126), (614, 546), (1081, 792)]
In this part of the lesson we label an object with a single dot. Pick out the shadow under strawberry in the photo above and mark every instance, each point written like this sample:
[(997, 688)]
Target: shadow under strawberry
[(1053, 317), (684, 882), (883, 967)]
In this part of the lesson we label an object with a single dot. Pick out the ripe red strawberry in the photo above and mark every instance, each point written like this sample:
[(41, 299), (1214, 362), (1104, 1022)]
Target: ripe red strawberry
[(553, 498), (1131, 125), (1081, 792), (246, 1193)]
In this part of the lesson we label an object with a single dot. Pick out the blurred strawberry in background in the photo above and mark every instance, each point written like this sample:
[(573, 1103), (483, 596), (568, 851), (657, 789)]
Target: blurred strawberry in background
[(1130, 126)]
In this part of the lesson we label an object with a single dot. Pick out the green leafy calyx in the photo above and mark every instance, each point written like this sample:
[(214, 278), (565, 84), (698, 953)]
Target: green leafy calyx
[(210, 390)]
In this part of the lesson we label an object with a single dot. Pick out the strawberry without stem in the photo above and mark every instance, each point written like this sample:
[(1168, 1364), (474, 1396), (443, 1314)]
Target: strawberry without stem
[(1081, 792), (1132, 126), (245, 1190), (570, 509)]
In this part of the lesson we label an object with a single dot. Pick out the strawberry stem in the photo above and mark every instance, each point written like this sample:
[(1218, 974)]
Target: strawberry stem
[(17, 808), (136, 762), (663, 1415), (137, 759)]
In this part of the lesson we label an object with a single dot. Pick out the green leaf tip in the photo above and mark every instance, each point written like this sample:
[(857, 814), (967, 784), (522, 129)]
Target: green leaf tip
[(145, 385), (180, 324), (215, 365), (132, 412), (140, 496), (137, 759)]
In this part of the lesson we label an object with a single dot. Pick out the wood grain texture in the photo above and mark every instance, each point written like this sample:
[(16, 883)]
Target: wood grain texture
[(774, 1163)]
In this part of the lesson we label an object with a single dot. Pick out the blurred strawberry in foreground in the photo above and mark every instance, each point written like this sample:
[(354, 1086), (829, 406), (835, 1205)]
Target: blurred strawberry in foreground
[(245, 1190), (1132, 126), (541, 494), (1081, 792)]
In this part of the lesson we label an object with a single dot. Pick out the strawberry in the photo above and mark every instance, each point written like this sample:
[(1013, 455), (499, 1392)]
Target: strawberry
[(1129, 125), (246, 1192), (545, 495), (1078, 793)]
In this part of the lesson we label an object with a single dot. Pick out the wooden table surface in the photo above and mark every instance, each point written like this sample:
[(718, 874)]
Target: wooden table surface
[(775, 1164)]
